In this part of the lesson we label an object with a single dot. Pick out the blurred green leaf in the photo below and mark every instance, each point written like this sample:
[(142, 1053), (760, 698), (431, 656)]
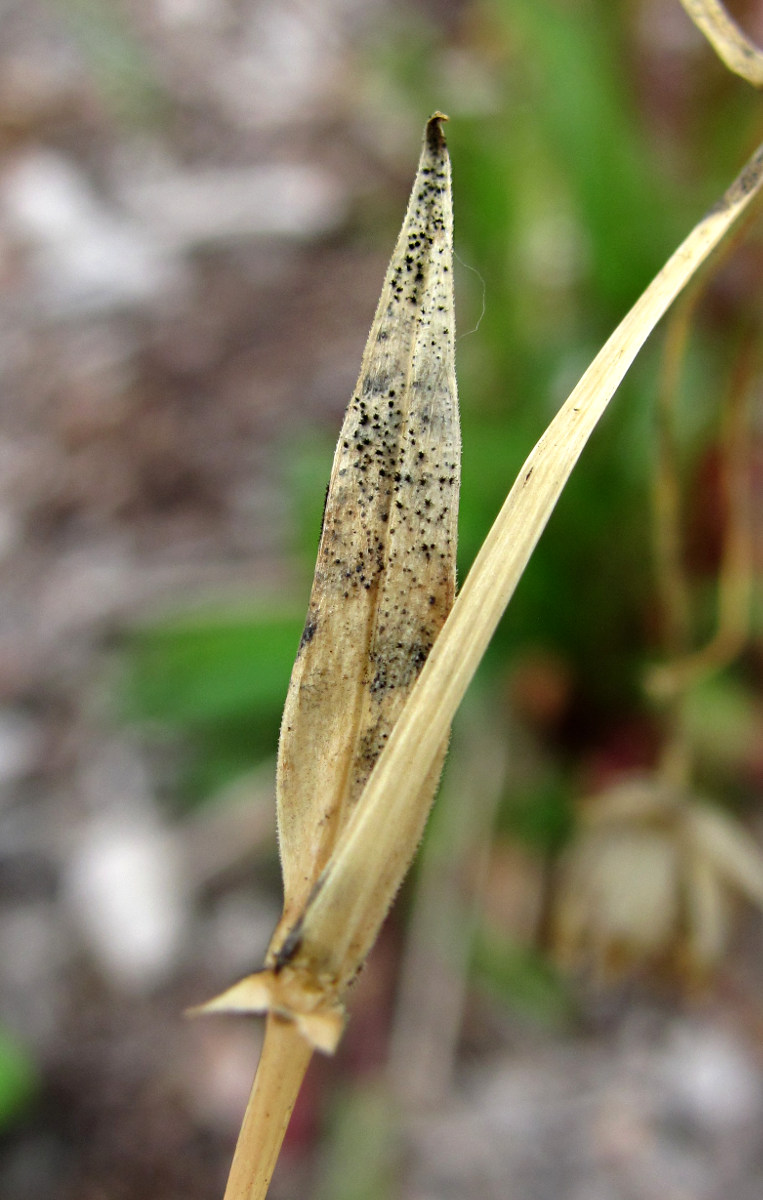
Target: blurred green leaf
[(206, 669), (358, 1159), (572, 57), (218, 684), (520, 977), (18, 1078), (542, 817), (723, 722)]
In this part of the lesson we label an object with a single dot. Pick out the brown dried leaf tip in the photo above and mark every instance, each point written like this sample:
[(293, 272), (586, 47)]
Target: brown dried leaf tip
[(384, 584)]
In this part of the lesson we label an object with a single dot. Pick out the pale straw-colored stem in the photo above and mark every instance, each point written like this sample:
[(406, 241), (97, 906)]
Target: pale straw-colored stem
[(730, 43), (285, 1058)]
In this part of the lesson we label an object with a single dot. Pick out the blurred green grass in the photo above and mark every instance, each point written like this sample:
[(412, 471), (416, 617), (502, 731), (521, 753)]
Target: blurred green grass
[(18, 1079)]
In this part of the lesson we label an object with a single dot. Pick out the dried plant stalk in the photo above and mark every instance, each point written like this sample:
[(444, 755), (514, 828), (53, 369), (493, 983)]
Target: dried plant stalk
[(730, 43), (360, 880), (384, 584), (355, 789), (280, 1071)]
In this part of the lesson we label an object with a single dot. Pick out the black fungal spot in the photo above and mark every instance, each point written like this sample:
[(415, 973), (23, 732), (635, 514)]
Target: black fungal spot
[(323, 514), (419, 655), (290, 946), (308, 633)]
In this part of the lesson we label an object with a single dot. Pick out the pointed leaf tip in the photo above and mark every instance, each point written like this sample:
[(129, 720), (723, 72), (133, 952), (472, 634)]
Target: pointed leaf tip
[(249, 995), (434, 133)]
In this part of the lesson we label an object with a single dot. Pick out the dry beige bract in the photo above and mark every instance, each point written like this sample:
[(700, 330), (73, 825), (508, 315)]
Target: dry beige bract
[(384, 584)]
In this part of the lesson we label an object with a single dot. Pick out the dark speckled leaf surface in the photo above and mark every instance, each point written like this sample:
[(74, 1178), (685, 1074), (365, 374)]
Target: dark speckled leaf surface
[(385, 576)]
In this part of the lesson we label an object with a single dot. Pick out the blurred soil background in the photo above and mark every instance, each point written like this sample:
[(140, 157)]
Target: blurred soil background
[(197, 202)]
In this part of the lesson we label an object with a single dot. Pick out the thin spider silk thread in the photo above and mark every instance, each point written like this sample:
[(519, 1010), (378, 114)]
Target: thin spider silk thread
[(481, 278)]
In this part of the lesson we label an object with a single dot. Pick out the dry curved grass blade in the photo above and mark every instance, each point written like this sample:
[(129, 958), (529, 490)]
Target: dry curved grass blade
[(730, 43), (338, 926)]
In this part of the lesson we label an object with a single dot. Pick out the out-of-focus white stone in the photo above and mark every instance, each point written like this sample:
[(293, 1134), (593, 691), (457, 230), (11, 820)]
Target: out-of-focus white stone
[(711, 1079), (181, 13), (282, 66), (124, 882), (125, 894), (83, 257), (188, 209)]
